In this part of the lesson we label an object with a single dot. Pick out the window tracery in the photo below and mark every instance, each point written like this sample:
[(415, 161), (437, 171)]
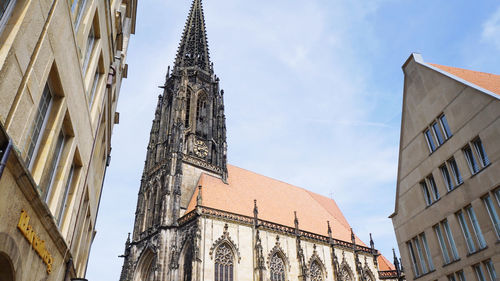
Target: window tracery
[(224, 267), (345, 274), (277, 268), (316, 272)]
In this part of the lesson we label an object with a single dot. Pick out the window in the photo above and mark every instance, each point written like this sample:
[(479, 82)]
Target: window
[(466, 232), (420, 254), (79, 6), (93, 90), (316, 272), (481, 153), (475, 226), (427, 251), (188, 263), (430, 194), (442, 244), (455, 171), (277, 268), (481, 243), (446, 242), (451, 277), (449, 236), (413, 258), (493, 214), (445, 126), (491, 270), (54, 162), (62, 205), (479, 272), (345, 274), (437, 133), (474, 168), (430, 140), (39, 123), (224, 263), (460, 276), (90, 47), (6, 7), (447, 178)]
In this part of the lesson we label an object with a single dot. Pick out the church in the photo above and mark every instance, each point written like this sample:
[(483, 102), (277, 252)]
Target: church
[(200, 218)]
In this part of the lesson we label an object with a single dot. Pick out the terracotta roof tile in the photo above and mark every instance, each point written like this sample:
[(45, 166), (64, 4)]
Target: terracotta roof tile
[(384, 264), (276, 201), (490, 82)]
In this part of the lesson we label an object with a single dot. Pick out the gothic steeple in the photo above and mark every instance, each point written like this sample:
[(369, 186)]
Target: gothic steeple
[(193, 48)]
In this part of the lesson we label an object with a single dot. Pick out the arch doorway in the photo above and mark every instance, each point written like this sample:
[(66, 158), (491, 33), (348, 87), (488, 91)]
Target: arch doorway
[(6, 268)]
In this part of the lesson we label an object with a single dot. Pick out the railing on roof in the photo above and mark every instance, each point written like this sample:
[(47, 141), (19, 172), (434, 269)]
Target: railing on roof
[(267, 225)]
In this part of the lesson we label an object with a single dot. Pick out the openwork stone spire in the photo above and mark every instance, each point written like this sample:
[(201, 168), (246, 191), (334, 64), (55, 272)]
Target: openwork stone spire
[(193, 49)]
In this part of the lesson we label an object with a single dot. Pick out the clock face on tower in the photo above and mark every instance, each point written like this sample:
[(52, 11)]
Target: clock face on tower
[(200, 148)]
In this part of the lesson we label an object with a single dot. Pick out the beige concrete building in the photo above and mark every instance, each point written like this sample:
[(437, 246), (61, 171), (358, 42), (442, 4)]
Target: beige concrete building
[(448, 189), (61, 66)]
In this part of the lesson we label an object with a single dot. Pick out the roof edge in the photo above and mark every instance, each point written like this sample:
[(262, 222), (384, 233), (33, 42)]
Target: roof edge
[(419, 59)]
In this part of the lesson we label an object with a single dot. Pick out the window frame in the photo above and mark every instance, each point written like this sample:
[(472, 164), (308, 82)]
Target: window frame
[(481, 242), (5, 16), (437, 133), (492, 212), (455, 171)]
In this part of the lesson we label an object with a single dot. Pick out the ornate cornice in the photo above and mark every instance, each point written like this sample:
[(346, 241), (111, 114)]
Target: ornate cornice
[(202, 164)]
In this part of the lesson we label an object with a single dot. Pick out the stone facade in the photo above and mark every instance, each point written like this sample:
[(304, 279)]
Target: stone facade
[(61, 66), (444, 226)]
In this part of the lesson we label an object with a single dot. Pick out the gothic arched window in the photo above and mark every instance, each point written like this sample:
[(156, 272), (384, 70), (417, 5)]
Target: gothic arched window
[(201, 115), (188, 109), (188, 263), (367, 276), (316, 272), (224, 263), (277, 268), (345, 274)]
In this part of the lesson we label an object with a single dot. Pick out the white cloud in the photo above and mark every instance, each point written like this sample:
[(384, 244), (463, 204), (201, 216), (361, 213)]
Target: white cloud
[(491, 29)]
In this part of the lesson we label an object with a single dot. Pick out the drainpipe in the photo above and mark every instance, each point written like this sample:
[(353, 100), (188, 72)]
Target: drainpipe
[(5, 156)]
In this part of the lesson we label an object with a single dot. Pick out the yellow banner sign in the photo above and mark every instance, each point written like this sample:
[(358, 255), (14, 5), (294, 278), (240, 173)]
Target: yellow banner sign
[(37, 243)]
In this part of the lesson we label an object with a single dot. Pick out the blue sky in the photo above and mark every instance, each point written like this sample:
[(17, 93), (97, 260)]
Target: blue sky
[(313, 93)]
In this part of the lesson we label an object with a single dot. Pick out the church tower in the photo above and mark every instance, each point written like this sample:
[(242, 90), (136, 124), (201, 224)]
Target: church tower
[(188, 137)]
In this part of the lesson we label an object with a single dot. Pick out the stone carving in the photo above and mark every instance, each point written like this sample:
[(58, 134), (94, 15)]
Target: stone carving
[(225, 239)]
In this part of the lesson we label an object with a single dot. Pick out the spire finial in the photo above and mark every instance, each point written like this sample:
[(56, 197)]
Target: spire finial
[(198, 197), (329, 229), (353, 238), (372, 244), (193, 49)]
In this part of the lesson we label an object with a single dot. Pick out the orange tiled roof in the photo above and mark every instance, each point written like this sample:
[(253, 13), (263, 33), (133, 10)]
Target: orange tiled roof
[(490, 82), (276, 201), (384, 264)]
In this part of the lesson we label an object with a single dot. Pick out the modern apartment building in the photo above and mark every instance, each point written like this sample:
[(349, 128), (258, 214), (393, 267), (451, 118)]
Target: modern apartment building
[(448, 187), (61, 67)]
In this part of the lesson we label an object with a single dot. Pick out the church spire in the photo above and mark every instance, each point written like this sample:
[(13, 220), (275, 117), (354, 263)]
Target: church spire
[(193, 49)]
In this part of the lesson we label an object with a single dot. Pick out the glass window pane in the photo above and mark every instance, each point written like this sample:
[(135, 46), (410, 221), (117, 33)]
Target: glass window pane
[(442, 244), (479, 272), (94, 88), (432, 183), (461, 276), (414, 259), (466, 232), (4, 4), (483, 158), (449, 236), (427, 251), (430, 140), (53, 166), (437, 132), (90, 47), (493, 214), (455, 171), (420, 255), (474, 168), (446, 127), (491, 270), (427, 195), (446, 177), (63, 202), (476, 227), (39, 122)]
